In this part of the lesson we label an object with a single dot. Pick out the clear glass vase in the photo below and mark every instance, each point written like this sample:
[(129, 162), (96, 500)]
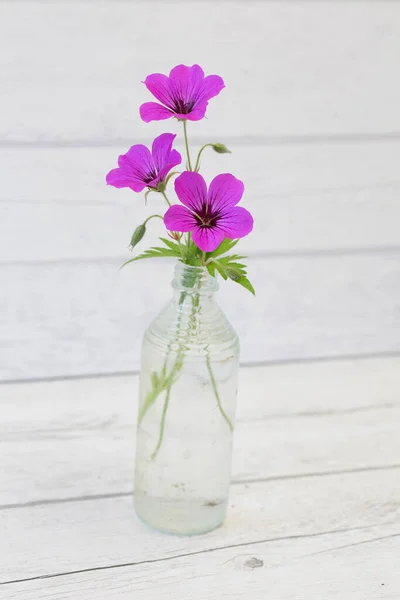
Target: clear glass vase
[(188, 387)]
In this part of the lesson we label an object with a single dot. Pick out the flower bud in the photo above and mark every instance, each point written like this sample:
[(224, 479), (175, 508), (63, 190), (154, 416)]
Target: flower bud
[(233, 274), (220, 148), (137, 235)]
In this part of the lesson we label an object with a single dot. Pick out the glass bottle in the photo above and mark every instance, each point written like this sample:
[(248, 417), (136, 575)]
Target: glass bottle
[(188, 387)]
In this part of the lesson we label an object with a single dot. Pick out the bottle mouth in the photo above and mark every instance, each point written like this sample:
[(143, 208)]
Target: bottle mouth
[(193, 279)]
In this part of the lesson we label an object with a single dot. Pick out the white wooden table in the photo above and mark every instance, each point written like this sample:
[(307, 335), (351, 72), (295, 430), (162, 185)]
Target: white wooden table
[(314, 508)]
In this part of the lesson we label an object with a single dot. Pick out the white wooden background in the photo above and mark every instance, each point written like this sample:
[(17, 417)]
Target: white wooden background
[(311, 113)]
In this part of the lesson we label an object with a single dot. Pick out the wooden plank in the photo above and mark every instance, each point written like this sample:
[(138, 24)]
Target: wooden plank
[(43, 540), (286, 427), (352, 564), (77, 175), (286, 71), (75, 318), (289, 224), (294, 389)]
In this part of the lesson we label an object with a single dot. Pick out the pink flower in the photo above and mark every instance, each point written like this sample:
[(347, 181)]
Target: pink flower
[(140, 168), (210, 215), (184, 94)]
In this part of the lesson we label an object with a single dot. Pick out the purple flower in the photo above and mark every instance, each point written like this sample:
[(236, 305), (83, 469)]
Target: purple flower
[(210, 215), (140, 168), (184, 94)]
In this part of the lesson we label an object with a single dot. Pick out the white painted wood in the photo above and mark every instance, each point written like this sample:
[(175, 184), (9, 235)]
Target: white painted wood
[(353, 564), (65, 537), (77, 175), (339, 220), (303, 199), (294, 389), (287, 425), (291, 68), (60, 319), (325, 535)]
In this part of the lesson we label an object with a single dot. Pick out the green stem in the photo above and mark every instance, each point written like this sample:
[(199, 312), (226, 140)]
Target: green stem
[(216, 393), (199, 154), (166, 198), (187, 144), (162, 424), (153, 217), (175, 369)]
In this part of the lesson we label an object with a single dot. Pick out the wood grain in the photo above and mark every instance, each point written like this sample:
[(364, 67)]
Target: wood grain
[(293, 420), (60, 319), (79, 77), (62, 538), (72, 176), (352, 564), (309, 200)]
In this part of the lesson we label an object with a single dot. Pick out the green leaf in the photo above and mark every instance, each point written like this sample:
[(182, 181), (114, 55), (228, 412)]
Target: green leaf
[(152, 253), (138, 235), (246, 284), (171, 245), (224, 246), (231, 258), (221, 270), (211, 269)]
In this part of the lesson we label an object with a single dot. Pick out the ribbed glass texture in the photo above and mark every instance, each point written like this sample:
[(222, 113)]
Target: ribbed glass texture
[(188, 388)]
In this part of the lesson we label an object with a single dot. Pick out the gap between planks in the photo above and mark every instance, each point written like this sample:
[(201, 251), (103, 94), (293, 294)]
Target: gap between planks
[(250, 481), (278, 254), (199, 552), (245, 140), (247, 365)]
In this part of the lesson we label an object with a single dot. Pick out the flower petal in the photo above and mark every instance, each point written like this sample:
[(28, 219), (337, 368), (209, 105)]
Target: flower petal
[(236, 222), (161, 149), (191, 190), (137, 156), (159, 85), (211, 87), (119, 178), (152, 111), (137, 162), (165, 170), (207, 238), (196, 114), (186, 82), (179, 218), (225, 190)]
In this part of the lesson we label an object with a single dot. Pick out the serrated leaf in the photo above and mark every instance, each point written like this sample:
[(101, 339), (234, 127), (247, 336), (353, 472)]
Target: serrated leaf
[(211, 269), (239, 266), (221, 270), (246, 284), (224, 246), (171, 245), (230, 258), (152, 253)]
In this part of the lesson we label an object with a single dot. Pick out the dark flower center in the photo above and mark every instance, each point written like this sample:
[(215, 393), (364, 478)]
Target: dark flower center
[(206, 218), (150, 176), (183, 108)]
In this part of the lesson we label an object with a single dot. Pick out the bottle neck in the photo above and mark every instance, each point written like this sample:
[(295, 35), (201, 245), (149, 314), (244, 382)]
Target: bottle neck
[(194, 281)]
